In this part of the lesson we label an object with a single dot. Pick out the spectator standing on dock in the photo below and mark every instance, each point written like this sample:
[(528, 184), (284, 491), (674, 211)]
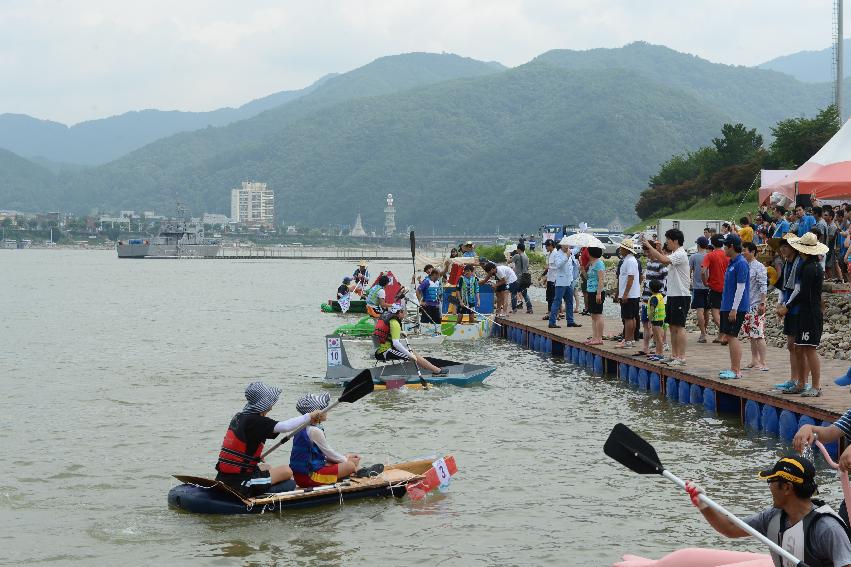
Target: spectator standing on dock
[(532, 243), (653, 271), (831, 233), (550, 275), (805, 221), (524, 279), (656, 309), (789, 284), (564, 266), (780, 223), (754, 325), (596, 295), (713, 269), (629, 291), (677, 284), (584, 262), (735, 302), (700, 291), (810, 317)]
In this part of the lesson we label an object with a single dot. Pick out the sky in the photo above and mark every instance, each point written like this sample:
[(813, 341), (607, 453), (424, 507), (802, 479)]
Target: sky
[(71, 61)]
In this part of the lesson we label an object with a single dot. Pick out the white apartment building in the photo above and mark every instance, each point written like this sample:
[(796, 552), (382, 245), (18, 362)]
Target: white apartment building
[(253, 204)]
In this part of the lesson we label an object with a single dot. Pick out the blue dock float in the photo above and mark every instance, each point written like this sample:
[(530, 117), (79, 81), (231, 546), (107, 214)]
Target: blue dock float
[(759, 407)]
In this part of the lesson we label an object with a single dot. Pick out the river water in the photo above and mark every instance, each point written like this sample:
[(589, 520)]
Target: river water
[(116, 374)]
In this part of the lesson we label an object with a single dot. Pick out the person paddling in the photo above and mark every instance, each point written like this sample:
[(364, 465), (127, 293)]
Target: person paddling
[(345, 287), (313, 461), (805, 527), (239, 464), (387, 339), (361, 277)]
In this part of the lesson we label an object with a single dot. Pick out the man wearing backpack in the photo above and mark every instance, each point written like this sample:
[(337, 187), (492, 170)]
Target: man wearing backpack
[(807, 528)]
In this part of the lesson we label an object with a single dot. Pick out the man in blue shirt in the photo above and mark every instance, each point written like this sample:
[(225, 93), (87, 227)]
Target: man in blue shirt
[(806, 222), (564, 277), (780, 222), (735, 302)]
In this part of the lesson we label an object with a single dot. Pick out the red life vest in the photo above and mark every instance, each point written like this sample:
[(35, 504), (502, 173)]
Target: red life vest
[(381, 334), (233, 458)]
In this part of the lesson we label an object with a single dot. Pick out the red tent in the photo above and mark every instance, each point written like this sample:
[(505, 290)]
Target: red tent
[(826, 175)]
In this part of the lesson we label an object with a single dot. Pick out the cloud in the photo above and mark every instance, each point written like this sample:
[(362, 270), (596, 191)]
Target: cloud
[(72, 61)]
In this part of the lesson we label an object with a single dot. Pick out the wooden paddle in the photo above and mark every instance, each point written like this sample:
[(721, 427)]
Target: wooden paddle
[(358, 387), (636, 454), (414, 273)]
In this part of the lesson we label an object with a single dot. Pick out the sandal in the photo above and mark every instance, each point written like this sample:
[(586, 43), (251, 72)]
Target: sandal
[(640, 353), (701, 340), (793, 390), (729, 375), (811, 393), (592, 342)]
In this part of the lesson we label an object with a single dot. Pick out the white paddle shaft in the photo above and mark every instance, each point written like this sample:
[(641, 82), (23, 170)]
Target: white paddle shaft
[(292, 433), (735, 519)]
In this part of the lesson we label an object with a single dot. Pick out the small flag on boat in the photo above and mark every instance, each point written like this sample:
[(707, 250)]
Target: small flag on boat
[(345, 302), (438, 476)]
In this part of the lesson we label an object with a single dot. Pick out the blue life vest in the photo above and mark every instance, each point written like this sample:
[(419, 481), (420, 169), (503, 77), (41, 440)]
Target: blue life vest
[(305, 457), (431, 294)]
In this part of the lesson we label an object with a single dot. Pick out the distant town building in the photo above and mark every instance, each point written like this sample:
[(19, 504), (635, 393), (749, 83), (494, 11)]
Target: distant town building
[(292, 229), (253, 204), (389, 217), (358, 229), (215, 219), (616, 225)]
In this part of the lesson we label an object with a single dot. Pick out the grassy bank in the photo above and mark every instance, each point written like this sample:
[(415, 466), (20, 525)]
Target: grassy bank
[(724, 207)]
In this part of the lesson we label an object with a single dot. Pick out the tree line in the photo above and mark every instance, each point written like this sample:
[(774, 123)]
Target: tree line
[(730, 164)]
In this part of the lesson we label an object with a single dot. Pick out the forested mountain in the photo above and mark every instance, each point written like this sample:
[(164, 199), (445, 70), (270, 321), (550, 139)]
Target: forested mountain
[(463, 145), (96, 142), (25, 185), (809, 66)]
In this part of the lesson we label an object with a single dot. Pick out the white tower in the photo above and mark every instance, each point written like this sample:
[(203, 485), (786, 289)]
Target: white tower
[(389, 217), (358, 229)]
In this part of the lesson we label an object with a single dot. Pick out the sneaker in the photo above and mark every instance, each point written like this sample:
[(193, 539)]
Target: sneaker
[(676, 362), (554, 326), (701, 339), (545, 318), (793, 390), (574, 325)]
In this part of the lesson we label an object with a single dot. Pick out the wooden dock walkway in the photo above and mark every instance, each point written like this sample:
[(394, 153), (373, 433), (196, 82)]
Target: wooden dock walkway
[(752, 396)]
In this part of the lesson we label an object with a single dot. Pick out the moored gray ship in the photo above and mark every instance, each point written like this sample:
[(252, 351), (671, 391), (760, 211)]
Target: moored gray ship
[(177, 239)]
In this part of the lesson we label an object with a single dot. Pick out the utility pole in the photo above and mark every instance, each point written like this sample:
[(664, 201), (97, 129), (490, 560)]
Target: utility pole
[(838, 56)]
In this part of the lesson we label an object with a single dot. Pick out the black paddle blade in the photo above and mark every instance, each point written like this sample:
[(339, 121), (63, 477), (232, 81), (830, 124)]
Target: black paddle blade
[(413, 244), (358, 387), (633, 452)]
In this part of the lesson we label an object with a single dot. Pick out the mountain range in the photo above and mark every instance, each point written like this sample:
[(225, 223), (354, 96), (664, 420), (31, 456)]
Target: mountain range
[(462, 144), (810, 66)]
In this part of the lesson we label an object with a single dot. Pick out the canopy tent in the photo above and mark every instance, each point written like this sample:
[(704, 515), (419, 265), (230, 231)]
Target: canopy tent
[(826, 175)]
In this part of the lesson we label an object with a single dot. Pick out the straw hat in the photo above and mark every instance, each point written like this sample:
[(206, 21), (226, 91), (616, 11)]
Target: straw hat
[(362, 263), (775, 243), (809, 244), (627, 244)]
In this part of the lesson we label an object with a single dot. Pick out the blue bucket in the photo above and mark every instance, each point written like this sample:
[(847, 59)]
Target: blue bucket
[(788, 425), (655, 383), (671, 390), (752, 415), (695, 394), (633, 376), (684, 394), (598, 365), (623, 371), (643, 380), (768, 420), (709, 400)]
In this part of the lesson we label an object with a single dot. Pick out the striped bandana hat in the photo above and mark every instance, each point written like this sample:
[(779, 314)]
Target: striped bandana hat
[(260, 397), (311, 402)]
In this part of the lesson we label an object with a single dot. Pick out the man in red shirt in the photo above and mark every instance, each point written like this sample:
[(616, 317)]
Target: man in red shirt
[(712, 269)]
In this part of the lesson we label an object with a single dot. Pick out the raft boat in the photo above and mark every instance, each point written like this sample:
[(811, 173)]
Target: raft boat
[(398, 374), (355, 306), (449, 329), (207, 496)]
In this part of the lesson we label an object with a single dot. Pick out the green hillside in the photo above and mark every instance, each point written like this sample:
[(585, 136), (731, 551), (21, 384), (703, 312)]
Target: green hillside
[(464, 145), (24, 185)]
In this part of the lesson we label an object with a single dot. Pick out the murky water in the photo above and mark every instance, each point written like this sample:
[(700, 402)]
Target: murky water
[(117, 374)]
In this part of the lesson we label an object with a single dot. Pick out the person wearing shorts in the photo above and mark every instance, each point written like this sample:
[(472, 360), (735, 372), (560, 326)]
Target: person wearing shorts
[(754, 325), (713, 268), (596, 296), (313, 461), (810, 316), (677, 284), (700, 291), (734, 303)]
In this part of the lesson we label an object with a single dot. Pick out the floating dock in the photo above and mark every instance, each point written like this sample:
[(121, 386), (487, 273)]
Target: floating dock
[(752, 397)]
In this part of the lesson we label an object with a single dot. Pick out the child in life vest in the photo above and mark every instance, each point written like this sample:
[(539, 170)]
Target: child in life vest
[(313, 461), (656, 314), (468, 287)]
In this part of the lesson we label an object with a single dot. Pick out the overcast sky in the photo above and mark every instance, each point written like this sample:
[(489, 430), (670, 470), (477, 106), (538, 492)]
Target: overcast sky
[(75, 60)]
